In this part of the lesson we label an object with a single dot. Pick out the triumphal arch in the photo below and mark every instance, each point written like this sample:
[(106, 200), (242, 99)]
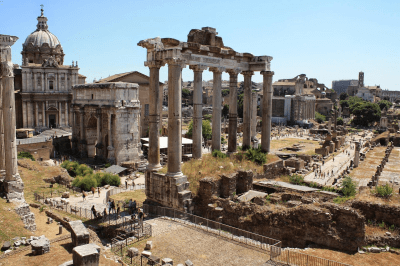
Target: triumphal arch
[(203, 50)]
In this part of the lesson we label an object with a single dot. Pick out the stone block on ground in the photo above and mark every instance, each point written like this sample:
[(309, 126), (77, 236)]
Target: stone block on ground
[(68, 263), (79, 233), (188, 263), (40, 246), (133, 252), (167, 261), (86, 255), (149, 245), (65, 195), (375, 250), (6, 246), (146, 254)]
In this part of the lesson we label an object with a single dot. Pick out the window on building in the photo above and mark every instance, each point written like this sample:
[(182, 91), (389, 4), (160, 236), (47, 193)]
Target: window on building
[(51, 85), (146, 110)]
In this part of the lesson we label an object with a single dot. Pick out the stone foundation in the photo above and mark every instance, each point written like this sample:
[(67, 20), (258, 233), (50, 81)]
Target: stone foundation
[(168, 191), (79, 233)]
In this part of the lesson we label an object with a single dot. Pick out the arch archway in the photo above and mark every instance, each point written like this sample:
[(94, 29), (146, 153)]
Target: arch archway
[(91, 136)]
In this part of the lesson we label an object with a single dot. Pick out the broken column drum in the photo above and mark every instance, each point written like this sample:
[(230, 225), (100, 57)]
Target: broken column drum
[(357, 147)]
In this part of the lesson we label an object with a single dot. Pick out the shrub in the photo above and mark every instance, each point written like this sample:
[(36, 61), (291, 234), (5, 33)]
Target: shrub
[(319, 117), (107, 165), (115, 180), (205, 129), (348, 187), (256, 156), (385, 191), (24, 154), (296, 179), (85, 183), (218, 154), (83, 170)]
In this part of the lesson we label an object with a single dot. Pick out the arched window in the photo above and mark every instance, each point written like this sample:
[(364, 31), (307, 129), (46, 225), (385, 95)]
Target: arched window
[(51, 86)]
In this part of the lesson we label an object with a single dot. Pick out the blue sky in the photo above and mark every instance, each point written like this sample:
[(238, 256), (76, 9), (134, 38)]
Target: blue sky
[(327, 40)]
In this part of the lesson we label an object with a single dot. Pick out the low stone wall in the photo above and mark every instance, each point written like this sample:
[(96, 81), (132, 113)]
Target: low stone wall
[(273, 170), (64, 222), (325, 224), (378, 212), (381, 241)]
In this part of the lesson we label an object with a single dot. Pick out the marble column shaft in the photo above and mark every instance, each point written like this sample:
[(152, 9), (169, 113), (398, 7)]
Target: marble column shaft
[(154, 116), (216, 103), (24, 114), (232, 141), (174, 117), (10, 153), (59, 114), (36, 115), (44, 114), (197, 110), (110, 144), (98, 132), (266, 111), (66, 114), (247, 109)]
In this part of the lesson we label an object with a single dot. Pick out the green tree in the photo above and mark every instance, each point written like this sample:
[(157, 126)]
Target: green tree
[(366, 113), (225, 110), (348, 187), (240, 105), (206, 130), (225, 92), (25, 154), (383, 103), (343, 96), (185, 93), (319, 117)]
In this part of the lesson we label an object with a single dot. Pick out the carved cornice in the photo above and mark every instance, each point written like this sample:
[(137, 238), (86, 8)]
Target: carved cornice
[(235, 71)]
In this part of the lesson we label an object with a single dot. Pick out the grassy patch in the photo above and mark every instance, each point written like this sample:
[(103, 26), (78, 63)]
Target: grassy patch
[(32, 173), (11, 224), (138, 195), (210, 166), (341, 200)]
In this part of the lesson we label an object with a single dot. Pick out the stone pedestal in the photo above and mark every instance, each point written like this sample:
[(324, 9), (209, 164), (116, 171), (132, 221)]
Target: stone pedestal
[(86, 255), (40, 246), (79, 233), (356, 154)]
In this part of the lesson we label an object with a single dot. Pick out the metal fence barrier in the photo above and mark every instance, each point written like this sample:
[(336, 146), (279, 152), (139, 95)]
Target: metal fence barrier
[(270, 245)]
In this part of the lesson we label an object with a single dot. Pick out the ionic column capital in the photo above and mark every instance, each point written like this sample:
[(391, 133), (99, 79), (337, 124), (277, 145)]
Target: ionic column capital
[(154, 64), (218, 70), (176, 61), (247, 73), (267, 73), (198, 68)]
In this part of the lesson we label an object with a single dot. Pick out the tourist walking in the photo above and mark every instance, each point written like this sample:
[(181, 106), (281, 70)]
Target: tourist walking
[(98, 191), (141, 217), (83, 195), (126, 184), (113, 206), (94, 211), (109, 206), (93, 191), (118, 209), (134, 206)]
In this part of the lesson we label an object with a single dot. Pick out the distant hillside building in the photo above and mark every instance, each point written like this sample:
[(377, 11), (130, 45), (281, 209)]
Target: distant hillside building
[(340, 86)]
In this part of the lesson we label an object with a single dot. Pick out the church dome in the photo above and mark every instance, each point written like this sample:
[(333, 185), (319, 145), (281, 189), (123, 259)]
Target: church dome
[(39, 37), (41, 44)]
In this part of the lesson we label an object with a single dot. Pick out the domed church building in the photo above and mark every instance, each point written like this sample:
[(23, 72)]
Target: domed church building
[(43, 84)]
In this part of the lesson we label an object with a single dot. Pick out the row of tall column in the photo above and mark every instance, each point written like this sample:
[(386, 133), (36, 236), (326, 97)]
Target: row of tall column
[(30, 112), (175, 111), (308, 109)]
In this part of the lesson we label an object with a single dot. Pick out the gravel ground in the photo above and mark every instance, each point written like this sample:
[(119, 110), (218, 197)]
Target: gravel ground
[(180, 243)]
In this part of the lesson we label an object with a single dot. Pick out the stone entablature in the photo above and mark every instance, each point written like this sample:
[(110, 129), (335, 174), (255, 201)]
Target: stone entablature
[(106, 121)]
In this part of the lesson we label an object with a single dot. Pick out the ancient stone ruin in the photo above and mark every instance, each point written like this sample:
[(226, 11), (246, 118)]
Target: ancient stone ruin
[(10, 181), (203, 50)]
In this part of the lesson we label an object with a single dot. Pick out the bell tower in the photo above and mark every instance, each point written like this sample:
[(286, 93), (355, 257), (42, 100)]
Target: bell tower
[(361, 79)]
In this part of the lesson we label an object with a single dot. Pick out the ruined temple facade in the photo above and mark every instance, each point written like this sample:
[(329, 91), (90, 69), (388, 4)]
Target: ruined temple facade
[(106, 121), (203, 50), (294, 100), (44, 82)]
